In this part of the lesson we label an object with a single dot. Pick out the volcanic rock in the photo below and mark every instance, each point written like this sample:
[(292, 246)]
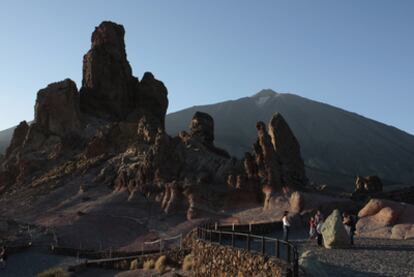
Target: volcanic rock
[(334, 233), (151, 100), (369, 184), (108, 85), (18, 138), (288, 150), (57, 108), (386, 219)]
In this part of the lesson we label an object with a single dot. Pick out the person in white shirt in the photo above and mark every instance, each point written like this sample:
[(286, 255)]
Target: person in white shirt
[(286, 226)]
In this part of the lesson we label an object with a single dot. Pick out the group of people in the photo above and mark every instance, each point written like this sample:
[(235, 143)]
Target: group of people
[(315, 227), (316, 222)]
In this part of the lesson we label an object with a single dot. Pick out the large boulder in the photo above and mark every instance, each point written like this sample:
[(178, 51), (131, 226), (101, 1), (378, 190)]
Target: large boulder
[(57, 108), (386, 219), (309, 262), (334, 233)]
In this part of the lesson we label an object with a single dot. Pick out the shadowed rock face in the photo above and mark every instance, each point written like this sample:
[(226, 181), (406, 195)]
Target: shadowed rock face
[(288, 150), (19, 135), (369, 184), (109, 89), (108, 85), (57, 108), (202, 126), (276, 161)]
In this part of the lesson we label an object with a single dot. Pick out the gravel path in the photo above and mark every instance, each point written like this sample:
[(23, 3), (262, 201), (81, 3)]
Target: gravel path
[(368, 258)]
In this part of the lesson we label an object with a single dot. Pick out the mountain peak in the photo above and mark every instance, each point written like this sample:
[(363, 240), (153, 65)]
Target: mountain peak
[(265, 93)]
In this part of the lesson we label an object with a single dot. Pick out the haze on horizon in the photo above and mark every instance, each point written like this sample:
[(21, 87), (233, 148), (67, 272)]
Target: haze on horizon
[(352, 54)]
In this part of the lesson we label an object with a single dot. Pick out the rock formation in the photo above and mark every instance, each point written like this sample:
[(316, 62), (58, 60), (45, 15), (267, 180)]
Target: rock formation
[(288, 150), (369, 184), (334, 233), (386, 219), (276, 162), (112, 134), (57, 108), (18, 138), (108, 85), (109, 89)]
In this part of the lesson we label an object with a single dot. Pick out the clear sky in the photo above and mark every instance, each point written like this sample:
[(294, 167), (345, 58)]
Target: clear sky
[(357, 55)]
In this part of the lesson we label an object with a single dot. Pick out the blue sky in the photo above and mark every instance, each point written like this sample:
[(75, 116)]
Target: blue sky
[(357, 55)]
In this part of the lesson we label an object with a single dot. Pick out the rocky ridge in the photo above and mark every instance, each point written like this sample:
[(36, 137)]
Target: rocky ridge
[(112, 133)]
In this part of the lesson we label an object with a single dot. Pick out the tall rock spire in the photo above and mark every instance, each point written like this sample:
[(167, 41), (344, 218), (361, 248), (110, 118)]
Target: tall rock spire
[(108, 85)]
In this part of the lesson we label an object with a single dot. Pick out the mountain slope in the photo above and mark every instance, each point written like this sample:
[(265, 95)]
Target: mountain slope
[(336, 145)]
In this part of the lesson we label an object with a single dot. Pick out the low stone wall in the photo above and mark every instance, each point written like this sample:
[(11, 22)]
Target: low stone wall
[(217, 260)]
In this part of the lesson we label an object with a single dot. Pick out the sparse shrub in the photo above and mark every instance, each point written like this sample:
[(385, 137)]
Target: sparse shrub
[(133, 265), (188, 262), (148, 265), (160, 264), (54, 272)]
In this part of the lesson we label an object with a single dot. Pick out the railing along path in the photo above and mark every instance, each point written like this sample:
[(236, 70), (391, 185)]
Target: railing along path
[(264, 245)]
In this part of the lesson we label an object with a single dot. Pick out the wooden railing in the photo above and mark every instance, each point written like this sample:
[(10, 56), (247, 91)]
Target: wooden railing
[(267, 246)]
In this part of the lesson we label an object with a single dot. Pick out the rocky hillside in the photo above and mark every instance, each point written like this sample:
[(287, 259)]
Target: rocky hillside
[(102, 151), (336, 145)]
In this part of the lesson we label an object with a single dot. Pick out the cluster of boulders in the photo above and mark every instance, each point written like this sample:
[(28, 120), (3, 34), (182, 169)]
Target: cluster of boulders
[(386, 219)]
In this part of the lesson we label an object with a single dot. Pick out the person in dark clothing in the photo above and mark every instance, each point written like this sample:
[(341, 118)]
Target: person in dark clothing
[(350, 224), (319, 232)]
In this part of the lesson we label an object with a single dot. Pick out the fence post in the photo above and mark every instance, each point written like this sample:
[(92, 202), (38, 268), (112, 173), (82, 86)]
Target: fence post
[(248, 242), (277, 250), (215, 226), (211, 235), (263, 245), (219, 237), (288, 252), (232, 239), (250, 227)]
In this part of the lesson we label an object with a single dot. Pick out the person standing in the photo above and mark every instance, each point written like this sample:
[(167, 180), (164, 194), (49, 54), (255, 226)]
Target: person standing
[(286, 226), (319, 217), (319, 232), (349, 222), (312, 228)]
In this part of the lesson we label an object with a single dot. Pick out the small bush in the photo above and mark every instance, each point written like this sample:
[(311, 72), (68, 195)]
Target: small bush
[(54, 272), (188, 262), (133, 265), (148, 265), (160, 264)]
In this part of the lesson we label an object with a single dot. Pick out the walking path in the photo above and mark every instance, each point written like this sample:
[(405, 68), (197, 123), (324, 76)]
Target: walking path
[(367, 258)]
